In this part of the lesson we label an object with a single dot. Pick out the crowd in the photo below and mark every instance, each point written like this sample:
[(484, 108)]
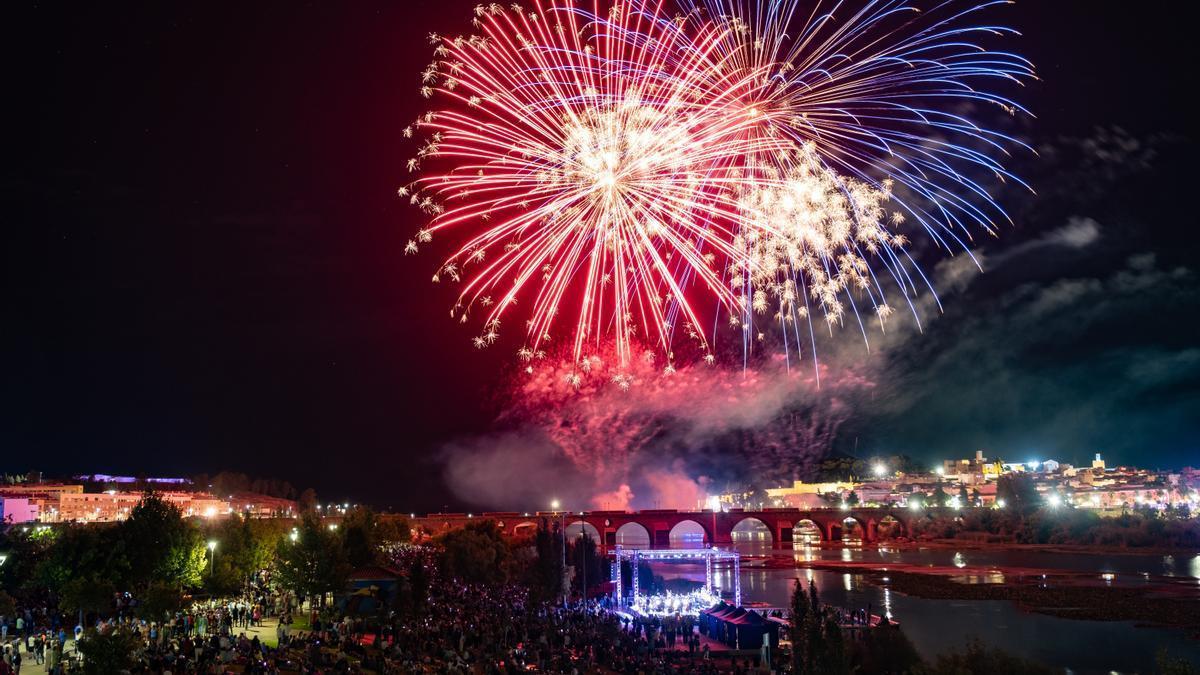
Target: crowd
[(471, 629), (37, 634), (463, 629)]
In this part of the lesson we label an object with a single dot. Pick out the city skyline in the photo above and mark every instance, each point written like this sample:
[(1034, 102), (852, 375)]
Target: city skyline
[(207, 262)]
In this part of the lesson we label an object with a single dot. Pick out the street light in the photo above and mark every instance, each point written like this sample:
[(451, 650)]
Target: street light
[(212, 556), (880, 470), (554, 505)]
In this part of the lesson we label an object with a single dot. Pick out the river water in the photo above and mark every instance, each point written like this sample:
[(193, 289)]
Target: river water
[(936, 626)]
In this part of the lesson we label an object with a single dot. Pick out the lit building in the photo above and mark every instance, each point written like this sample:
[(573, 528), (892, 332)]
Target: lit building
[(108, 507), (17, 510), (807, 495), (254, 505)]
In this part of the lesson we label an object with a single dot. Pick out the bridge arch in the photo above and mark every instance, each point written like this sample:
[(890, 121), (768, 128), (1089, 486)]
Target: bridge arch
[(852, 528), (751, 529), (807, 531), (688, 534), (525, 528), (577, 526), (889, 527), (633, 535)]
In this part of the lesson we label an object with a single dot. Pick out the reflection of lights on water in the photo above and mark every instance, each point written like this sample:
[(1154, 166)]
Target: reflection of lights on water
[(847, 556), (887, 601), (847, 582), (959, 561), (809, 573), (1108, 578), (1194, 567)]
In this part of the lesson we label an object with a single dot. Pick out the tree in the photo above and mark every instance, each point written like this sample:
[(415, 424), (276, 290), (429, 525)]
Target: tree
[(307, 501), (939, 496), (963, 499), (1018, 493), (546, 572), (87, 596), (246, 545), (476, 553), (359, 537), (113, 651), (884, 649), (833, 649), (85, 553), (158, 600), (801, 608), (979, 660), (393, 530), (7, 606), (161, 545), (584, 557), (852, 498), (315, 563), (758, 497)]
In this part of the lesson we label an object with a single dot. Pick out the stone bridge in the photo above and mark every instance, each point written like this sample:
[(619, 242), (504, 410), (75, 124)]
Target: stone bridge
[(712, 527)]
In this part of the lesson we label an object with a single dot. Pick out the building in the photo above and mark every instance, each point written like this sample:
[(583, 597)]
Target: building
[(45, 496), (807, 495), (17, 510), (254, 505), (112, 506)]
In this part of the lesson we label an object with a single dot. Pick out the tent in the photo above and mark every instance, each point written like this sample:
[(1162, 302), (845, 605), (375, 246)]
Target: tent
[(750, 628), (738, 627)]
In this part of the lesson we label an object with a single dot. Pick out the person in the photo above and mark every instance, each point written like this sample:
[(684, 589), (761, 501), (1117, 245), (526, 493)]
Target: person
[(16, 661)]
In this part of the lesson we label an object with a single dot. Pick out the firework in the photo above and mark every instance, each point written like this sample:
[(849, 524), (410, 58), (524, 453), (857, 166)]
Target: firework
[(876, 98), (588, 161), (635, 173)]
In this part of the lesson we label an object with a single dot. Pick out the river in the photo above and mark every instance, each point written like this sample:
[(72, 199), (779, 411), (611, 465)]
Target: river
[(936, 626)]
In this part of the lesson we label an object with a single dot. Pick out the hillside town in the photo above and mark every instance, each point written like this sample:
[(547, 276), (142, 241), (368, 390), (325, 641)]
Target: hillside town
[(955, 483), (974, 482)]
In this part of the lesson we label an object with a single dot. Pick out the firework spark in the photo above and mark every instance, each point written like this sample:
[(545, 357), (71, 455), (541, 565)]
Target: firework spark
[(626, 170), (590, 158), (875, 100)]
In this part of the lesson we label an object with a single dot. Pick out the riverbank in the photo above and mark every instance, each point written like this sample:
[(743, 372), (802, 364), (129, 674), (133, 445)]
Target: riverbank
[(1148, 601)]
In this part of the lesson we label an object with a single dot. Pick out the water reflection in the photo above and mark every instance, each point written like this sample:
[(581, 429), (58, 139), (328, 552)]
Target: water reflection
[(937, 626)]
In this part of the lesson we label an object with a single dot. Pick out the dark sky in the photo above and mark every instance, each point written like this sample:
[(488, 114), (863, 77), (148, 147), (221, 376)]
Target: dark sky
[(204, 269)]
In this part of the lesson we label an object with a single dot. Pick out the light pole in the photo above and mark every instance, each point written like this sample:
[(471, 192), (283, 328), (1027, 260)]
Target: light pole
[(212, 556), (583, 565), (562, 530)]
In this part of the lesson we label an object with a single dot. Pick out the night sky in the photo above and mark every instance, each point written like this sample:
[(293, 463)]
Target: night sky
[(204, 265)]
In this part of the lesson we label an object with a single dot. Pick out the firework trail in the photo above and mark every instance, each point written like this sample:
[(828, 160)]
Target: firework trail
[(628, 170)]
